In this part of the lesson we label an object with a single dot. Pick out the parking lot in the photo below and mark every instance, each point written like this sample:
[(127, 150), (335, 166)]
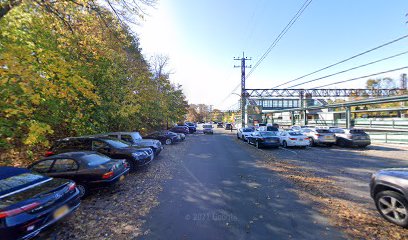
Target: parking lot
[(219, 187)]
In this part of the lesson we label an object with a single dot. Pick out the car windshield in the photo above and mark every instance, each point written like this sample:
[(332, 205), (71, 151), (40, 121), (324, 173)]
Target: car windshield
[(322, 131), (357, 131), (116, 143), (247, 130), (268, 134), (93, 160), (136, 136), (295, 133), (207, 126), (336, 130), (18, 181), (190, 124)]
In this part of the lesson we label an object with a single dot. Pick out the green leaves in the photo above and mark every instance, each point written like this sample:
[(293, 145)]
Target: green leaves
[(71, 73)]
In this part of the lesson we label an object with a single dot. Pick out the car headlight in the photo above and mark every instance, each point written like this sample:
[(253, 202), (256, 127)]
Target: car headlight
[(138, 154)]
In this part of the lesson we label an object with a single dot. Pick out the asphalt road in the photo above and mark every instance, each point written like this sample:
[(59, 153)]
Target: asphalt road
[(219, 192)]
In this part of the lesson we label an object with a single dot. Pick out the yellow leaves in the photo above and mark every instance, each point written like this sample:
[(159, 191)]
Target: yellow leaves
[(37, 133)]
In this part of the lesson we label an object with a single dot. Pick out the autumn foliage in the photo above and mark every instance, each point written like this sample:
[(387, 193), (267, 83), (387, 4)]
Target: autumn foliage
[(73, 71)]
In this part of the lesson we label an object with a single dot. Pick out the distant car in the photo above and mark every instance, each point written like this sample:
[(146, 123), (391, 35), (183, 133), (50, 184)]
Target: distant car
[(264, 139), (267, 128), (228, 126), (87, 169), (165, 137), (208, 129), (191, 127), (220, 125), (243, 133), (296, 128), (135, 139), (319, 136), (30, 202), (111, 147), (293, 139), (389, 189), (180, 129), (351, 137)]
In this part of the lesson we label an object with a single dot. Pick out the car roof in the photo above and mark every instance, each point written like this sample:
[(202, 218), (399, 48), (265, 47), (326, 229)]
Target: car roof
[(120, 133), (6, 172), (77, 154)]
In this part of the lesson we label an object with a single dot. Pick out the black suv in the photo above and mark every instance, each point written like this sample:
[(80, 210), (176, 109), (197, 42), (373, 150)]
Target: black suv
[(111, 147)]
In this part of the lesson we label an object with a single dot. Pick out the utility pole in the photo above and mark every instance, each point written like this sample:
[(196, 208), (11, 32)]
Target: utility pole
[(243, 92)]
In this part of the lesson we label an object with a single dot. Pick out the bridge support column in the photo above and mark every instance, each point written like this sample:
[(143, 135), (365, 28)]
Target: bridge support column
[(304, 114), (348, 117), (292, 118)]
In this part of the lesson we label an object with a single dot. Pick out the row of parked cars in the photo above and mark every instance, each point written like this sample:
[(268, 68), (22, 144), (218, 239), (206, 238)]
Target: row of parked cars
[(296, 136), (35, 197), (388, 187)]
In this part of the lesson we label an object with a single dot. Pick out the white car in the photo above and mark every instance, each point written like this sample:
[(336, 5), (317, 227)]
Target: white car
[(293, 139), (243, 133), (208, 129), (319, 136)]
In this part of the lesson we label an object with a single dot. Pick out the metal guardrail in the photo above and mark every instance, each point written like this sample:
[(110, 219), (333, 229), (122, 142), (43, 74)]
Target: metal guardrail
[(387, 137)]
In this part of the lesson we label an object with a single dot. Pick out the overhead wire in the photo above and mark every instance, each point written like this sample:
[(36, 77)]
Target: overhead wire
[(357, 78), (350, 69), (280, 36), (345, 60)]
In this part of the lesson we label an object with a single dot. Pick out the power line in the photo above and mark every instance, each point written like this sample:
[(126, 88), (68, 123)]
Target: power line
[(357, 78), (345, 60), (350, 69), (281, 34)]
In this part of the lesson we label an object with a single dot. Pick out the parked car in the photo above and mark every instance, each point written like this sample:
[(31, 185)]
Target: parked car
[(220, 125), (111, 147), (319, 136), (207, 128), (228, 126), (296, 128), (191, 127), (351, 137), (264, 139), (389, 189), (293, 139), (267, 128), (165, 137), (243, 133), (88, 169), (180, 129), (181, 137), (135, 139), (30, 202)]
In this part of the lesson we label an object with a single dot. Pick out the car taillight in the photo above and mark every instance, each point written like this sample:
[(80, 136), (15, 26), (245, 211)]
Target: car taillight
[(292, 139), (317, 135), (71, 186), (349, 136), (12, 212), (107, 175), (49, 153), (125, 164), (262, 139)]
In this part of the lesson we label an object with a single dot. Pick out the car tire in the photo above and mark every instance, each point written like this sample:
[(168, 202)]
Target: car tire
[(248, 142), (284, 144), (341, 143), (258, 145), (237, 136), (312, 142), (383, 202), (168, 141), (83, 190)]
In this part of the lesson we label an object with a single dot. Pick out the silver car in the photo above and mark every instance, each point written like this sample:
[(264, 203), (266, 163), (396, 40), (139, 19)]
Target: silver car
[(351, 137), (208, 129), (319, 136), (389, 189)]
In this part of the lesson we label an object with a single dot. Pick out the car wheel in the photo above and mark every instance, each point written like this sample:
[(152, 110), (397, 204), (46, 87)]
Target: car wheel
[(393, 207), (168, 141), (83, 190), (341, 143), (258, 145), (248, 141), (284, 144), (237, 136), (312, 142)]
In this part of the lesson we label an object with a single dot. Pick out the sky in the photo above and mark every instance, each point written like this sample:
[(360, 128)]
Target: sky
[(202, 37)]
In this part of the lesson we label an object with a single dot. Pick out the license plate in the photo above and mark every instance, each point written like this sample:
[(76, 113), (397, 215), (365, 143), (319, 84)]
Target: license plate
[(60, 212), (122, 178), (327, 137)]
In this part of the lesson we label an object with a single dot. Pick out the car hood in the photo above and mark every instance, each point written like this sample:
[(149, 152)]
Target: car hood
[(394, 172)]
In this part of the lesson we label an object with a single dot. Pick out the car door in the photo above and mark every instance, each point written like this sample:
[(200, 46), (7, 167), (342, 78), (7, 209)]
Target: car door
[(64, 168), (42, 167)]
